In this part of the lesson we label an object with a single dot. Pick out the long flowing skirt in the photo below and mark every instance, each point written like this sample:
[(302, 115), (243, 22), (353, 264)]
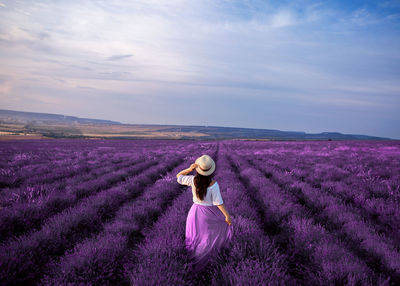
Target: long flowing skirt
[(206, 232)]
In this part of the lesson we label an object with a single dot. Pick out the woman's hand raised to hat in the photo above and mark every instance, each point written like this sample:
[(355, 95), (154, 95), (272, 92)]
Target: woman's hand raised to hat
[(193, 166)]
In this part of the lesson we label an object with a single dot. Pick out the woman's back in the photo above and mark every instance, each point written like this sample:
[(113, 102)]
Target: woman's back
[(213, 196)]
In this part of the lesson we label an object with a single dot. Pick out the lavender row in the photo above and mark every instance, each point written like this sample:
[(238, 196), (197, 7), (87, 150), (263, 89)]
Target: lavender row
[(381, 247), (380, 214), (321, 172), (70, 169), (332, 261), (103, 255), (27, 163), (23, 261), (36, 194), (345, 161), (48, 171), (252, 258), (93, 159), (54, 169), (358, 157), (383, 186), (23, 217), (377, 201), (29, 152), (351, 228), (24, 159)]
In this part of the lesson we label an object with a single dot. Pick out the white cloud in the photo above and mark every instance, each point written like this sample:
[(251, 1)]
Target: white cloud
[(348, 102), (282, 19)]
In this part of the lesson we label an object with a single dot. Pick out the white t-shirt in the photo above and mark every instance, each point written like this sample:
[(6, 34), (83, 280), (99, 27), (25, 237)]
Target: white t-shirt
[(213, 196)]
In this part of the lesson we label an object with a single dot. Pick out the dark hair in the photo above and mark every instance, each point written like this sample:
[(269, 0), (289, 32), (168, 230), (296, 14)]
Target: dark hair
[(201, 183)]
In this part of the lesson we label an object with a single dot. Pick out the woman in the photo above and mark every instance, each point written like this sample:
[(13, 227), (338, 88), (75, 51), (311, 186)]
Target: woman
[(206, 229)]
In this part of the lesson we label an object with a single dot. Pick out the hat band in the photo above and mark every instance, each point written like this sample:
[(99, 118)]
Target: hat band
[(205, 170)]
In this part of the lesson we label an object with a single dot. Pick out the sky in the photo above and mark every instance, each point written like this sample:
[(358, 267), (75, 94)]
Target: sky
[(312, 66)]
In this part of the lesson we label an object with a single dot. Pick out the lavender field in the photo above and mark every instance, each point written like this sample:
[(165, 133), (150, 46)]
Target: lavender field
[(110, 212)]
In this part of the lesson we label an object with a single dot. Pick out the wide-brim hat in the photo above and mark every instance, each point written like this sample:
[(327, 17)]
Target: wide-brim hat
[(206, 165)]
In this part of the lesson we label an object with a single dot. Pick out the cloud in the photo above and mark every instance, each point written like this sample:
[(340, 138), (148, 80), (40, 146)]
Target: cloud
[(393, 16), (362, 17), (282, 19), (86, 87), (345, 101), (118, 57), (389, 4), (5, 86)]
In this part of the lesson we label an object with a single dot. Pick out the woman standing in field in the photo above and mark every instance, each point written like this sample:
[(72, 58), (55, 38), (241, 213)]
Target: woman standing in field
[(206, 229)]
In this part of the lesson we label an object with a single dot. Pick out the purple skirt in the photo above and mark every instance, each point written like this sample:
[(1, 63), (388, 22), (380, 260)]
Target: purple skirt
[(206, 232)]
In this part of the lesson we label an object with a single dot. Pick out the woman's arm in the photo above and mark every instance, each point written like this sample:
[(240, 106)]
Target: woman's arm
[(187, 171), (223, 210)]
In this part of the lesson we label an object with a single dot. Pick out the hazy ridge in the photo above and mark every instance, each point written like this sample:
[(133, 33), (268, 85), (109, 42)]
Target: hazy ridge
[(18, 124)]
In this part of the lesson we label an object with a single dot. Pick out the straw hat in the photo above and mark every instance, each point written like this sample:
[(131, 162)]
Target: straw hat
[(206, 165)]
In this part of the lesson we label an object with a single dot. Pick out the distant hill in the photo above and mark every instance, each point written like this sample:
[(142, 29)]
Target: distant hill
[(25, 117), (19, 124)]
